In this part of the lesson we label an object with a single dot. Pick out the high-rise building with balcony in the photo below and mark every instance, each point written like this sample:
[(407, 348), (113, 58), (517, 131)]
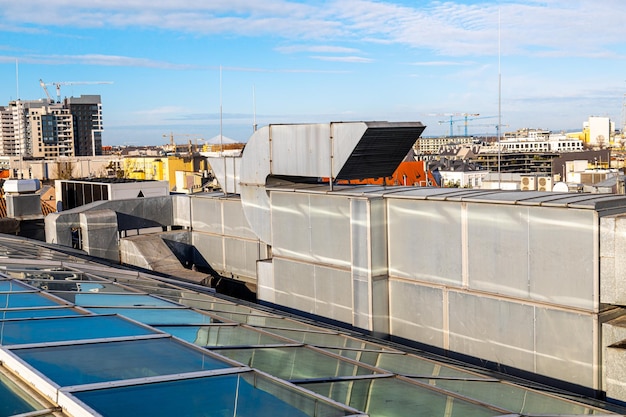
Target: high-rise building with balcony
[(86, 111)]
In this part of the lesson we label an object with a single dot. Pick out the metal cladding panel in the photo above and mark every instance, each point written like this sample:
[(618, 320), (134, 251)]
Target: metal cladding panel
[(210, 250), (330, 229), (498, 249), (416, 312), (361, 272), (241, 257), (300, 150), (266, 288), (255, 167), (563, 257), (334, 294), (565, 345), (425, 240), (613, 262), (494, 329), (312, 228), (294, 285), (256, 207), (313, 289), (226, 170), (206, 215), (378, 230), (235, 222), (380, 150), (290, 225), (181, 206)]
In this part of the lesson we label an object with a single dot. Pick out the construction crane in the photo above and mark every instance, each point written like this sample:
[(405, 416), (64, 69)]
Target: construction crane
[(466, 118), (45, 89), (59, 84)]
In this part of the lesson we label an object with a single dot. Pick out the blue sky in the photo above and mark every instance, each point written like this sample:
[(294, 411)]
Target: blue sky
[(175, 66)]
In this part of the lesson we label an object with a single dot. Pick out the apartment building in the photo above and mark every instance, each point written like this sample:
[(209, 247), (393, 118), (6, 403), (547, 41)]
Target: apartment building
[(44, 129), (86, 111)]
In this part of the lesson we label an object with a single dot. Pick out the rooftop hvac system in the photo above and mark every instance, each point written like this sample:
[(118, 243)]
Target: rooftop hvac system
[(307, 152), (528, 183), (544, 183)]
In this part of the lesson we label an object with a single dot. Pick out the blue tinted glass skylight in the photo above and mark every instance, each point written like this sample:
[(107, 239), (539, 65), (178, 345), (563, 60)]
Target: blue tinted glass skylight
[(19, 300), (100, 362), (153, 316), (12, 400), (238, 395), (12, 286), (39, 312), (119, 300), (71, 328)]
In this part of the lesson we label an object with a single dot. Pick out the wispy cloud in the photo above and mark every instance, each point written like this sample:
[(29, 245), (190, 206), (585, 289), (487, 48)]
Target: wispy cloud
[(442, 63), (356, 59), (329, 49), (449, 28)]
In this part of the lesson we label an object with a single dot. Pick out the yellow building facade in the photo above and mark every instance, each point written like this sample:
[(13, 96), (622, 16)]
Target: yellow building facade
[(165, 168)]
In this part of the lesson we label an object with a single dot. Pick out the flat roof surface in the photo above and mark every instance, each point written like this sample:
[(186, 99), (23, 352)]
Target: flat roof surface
[(107, 341), (589, 201)]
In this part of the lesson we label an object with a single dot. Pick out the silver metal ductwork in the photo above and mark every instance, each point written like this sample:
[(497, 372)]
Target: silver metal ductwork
[(309, 152)]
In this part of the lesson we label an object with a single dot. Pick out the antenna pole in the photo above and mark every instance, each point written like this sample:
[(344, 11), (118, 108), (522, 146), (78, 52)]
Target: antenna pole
[(17, 79), (253, 110), (224, 186), (499, 99)]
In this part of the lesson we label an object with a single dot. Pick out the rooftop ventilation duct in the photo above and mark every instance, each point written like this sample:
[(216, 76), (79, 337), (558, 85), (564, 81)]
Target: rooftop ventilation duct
[(308, 152)]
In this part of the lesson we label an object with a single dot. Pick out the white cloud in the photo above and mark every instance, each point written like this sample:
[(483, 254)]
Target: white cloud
[(330, 49), (583, 28), (356, 59), (442, 63)]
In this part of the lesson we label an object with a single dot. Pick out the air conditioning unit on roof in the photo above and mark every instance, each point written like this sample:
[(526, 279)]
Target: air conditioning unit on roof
[(544, 183), (528, 183)]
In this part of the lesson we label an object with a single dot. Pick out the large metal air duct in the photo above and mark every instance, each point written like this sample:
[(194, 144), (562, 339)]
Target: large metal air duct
[(337, 151)]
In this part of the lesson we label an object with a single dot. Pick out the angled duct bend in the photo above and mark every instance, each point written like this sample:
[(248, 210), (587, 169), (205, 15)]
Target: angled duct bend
[(339, 151)]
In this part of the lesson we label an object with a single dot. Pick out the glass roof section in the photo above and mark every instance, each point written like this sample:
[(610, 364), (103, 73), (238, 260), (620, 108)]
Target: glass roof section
[(221, 335), (241, 395), (296, 363), (111, 361), (97, 340), (14, 400), (16, 332)]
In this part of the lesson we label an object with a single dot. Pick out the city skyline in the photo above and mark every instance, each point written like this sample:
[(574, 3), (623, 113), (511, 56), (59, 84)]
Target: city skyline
[(186, 68)]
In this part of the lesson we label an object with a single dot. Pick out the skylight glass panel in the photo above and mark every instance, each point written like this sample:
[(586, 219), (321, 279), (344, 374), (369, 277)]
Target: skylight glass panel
[(21, 300), (38, 312), (156, 316), (329, 340), (68, 328), (239, 395), (110, 361), (120, 300), (14, 400), (390, 397), (265, 321), (295, 363), (12, 286), (221, 335), (514, 398), (408, 365)]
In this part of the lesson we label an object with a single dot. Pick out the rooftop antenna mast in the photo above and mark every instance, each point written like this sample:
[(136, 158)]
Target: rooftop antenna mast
[(17, 79), (254, 126), (499, 99)]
